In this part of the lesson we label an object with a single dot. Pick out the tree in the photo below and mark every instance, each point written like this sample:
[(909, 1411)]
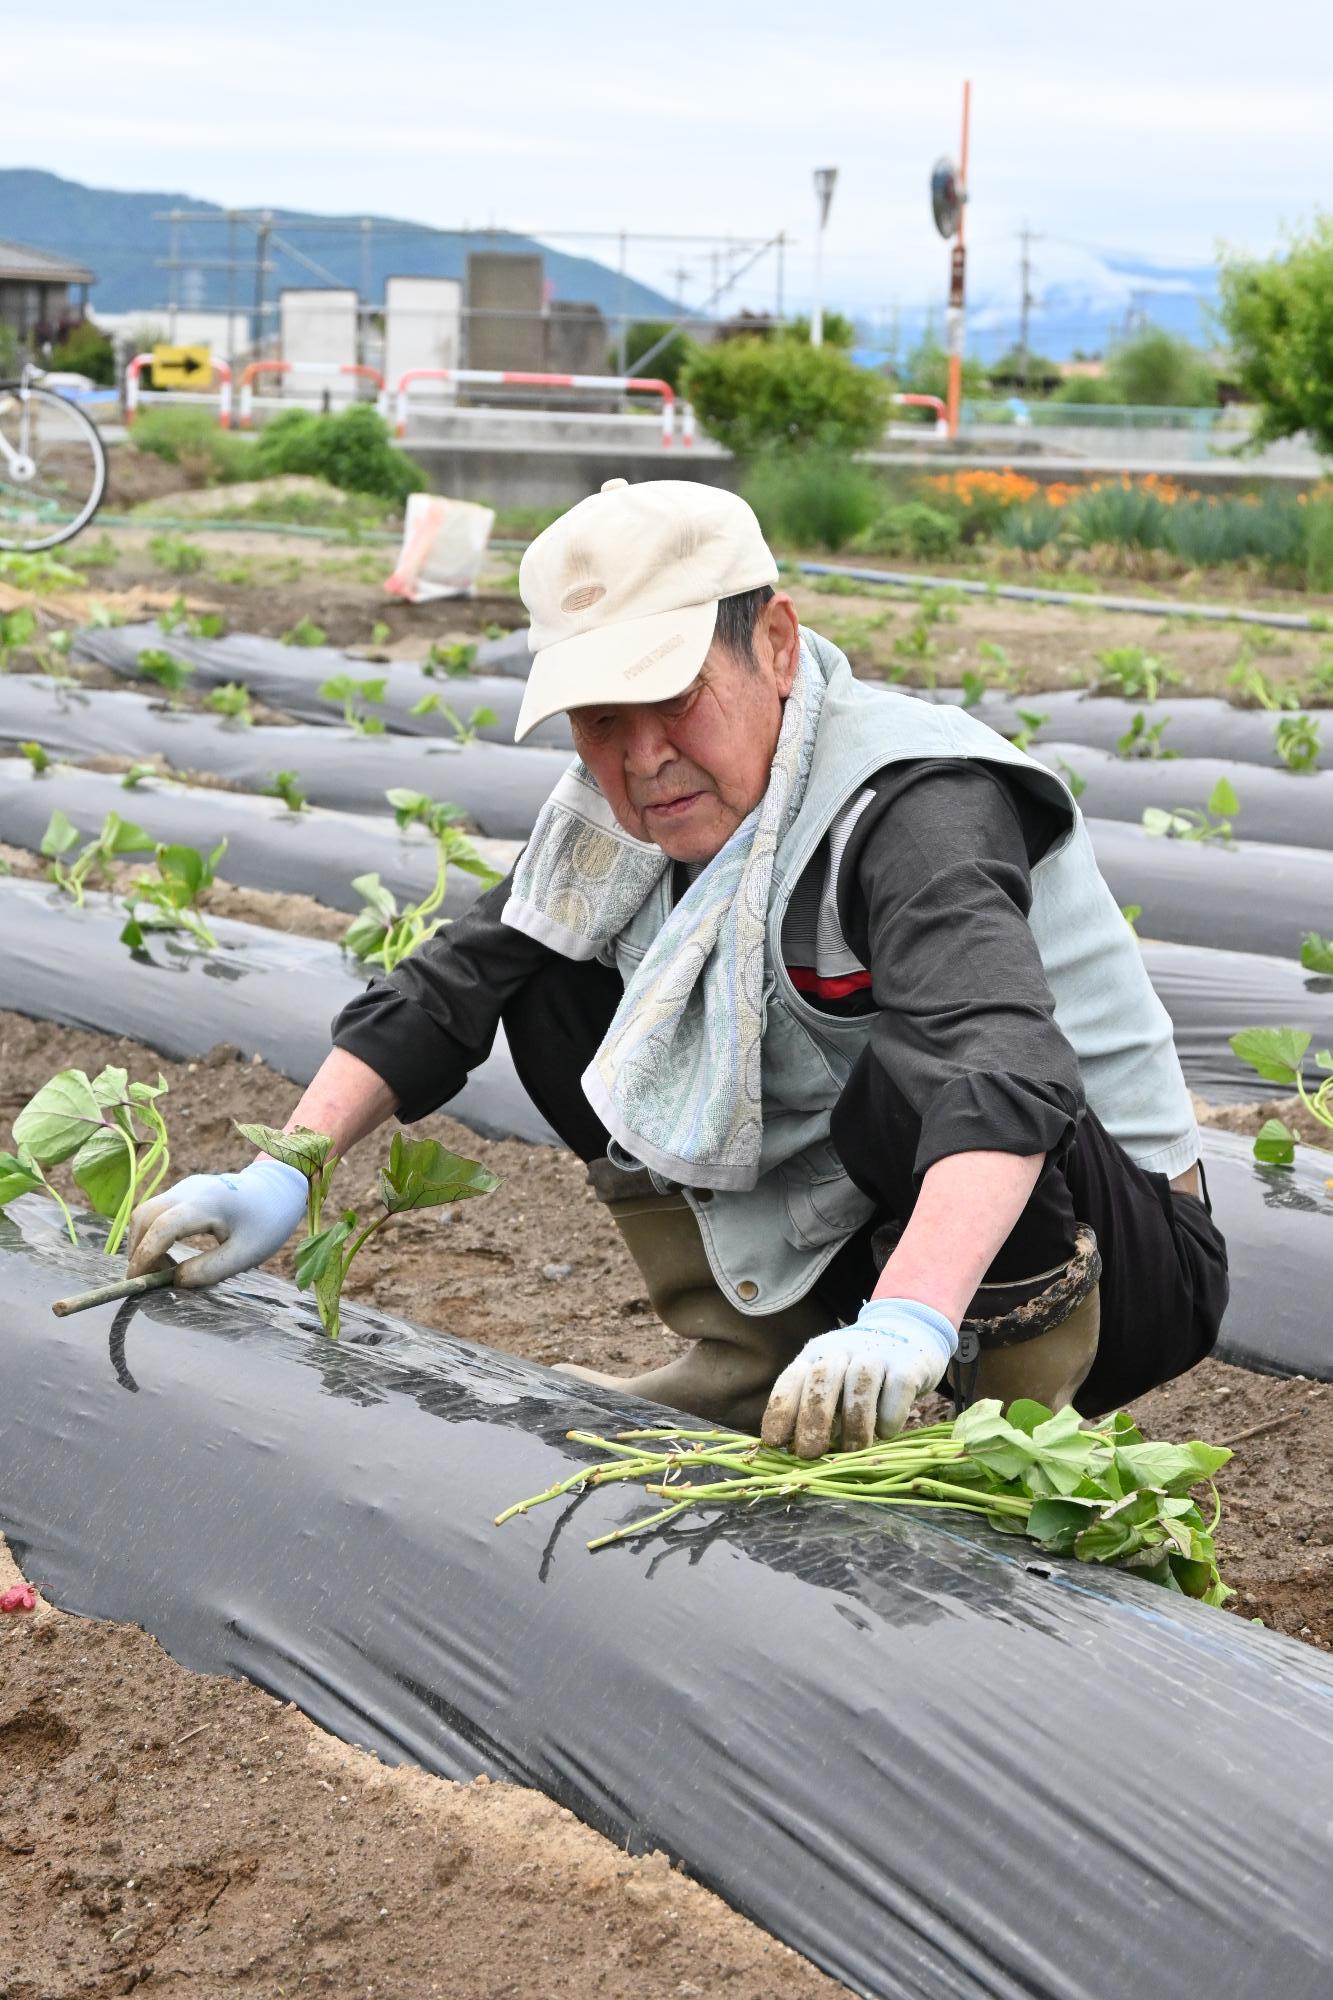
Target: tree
[(1278, 316), (669, 364), (839, 331), (1157, 367), (1015, 368), (84, 349), (754, 394), (926, 370)]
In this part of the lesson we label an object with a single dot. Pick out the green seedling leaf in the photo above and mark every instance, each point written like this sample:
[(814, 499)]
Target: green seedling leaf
[(422, 1174), (1222, 800), (1274, 1144), (1057, 1524), (145, 1093), (1131, 912), (1158, 822), (111, 1086), (132, 934), (379, 632), (1317, 953), (37, 757), (122, 836), (61, 834), (320, 1254), (428, 704), (16, 1179), (184, 865), (381, 900), (482, 718), (1025, 1415), (57, 1121), (1276, 1054), (135, 776), (1172, 1467), (103, 1167), (301, 1148)]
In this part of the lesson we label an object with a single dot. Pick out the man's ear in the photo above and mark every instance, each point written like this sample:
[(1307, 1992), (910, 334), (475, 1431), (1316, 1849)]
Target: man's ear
[(778, 641)]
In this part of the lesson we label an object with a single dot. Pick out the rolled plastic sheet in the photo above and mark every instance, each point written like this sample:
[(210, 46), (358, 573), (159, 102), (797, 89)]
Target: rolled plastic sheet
[(310, 853), (1278, 1225), (1273, 805), (267, 993), (941, 1767), (290, 677), (501, 790), (1211, 994), (1240, 895), (1195, 725)]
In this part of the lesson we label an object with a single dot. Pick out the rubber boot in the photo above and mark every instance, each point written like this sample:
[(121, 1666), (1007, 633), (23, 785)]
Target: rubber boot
[(736, 1358), (1035, 1337)]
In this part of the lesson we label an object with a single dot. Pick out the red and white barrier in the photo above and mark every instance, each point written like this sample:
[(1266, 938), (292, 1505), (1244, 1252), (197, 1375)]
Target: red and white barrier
[(507, 378), (134, 394), (283, 368), (935, 403)]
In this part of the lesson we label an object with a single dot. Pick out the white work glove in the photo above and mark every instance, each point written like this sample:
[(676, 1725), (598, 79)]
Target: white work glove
[(251, 1213), (873, 1371)]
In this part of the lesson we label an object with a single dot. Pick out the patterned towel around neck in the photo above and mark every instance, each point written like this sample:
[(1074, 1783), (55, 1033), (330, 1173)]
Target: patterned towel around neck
[(677, 1080)]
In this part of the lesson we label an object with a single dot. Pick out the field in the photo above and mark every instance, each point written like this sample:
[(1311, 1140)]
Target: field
[(135, 1838)]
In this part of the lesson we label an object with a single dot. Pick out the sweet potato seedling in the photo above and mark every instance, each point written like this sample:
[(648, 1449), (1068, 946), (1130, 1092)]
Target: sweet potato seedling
[(452, 659), (1296, 740), (169, 900), (420, 1174), (117, 838), (1278, 1056), (286, 786), (1193, 822), (382, 934), (165, 668), (17, 628), (136, 774), (1099, 1492), (38, 757), (305, 632), (1317, 952), (111, 1132), (232, 702), (464, 732), (1142, 740), (1138, 676), (356, 698)]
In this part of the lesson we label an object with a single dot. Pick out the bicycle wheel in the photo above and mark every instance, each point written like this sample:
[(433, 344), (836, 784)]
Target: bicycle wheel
[(52, 467)]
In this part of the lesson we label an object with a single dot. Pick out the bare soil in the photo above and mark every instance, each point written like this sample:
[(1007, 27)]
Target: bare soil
[(190, 1835)]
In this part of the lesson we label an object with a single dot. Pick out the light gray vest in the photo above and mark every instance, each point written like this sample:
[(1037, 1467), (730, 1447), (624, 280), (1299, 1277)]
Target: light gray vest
[(768, 1245)]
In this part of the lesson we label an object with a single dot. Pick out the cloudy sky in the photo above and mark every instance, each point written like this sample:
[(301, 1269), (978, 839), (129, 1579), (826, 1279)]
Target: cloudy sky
[(1151, 130)]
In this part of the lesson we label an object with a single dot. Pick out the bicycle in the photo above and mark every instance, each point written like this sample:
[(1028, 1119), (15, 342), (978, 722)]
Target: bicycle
[(52, 465)]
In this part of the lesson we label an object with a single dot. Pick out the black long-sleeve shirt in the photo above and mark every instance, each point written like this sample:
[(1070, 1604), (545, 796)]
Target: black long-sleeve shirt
[(933, 892)]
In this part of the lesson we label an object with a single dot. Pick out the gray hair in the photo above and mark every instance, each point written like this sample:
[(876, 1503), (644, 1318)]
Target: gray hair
[(736, 620)]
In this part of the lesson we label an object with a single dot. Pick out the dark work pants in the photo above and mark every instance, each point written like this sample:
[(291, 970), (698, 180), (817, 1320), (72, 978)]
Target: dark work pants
[(1164, 1265)]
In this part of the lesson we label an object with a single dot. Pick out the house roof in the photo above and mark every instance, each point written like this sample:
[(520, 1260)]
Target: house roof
[(21, 263)]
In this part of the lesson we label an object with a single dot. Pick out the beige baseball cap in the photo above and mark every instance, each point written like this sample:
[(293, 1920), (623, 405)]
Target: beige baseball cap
[(623, 592)]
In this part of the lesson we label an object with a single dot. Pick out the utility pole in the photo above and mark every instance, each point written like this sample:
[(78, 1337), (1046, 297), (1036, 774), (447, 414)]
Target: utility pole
[(826, 179), (1026, 301), (263, 230), (957, 281)]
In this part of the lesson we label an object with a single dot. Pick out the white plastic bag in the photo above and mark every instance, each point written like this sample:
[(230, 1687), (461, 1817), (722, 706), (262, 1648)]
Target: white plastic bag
[(444, 543)]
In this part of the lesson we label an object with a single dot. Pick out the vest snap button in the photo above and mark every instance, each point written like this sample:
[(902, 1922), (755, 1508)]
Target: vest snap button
[(703, 1194), (747, 1290)]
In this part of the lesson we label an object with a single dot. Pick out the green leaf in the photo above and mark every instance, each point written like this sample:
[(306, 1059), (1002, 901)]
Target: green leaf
[(365, 935), (423, 1174), (482, 718), (103, 1169), (1056, 1524), (371, 725), (122, 836), (1173, 1467), (1317, 953), (301, 1148), (1274, 1144), (57, 1121), (1196, 1579), (381, 900), (1157, 821), (144, 1093), (426, 706), (132, 935), (1025, 1415), (15, 1179), (318, 1255), (61, 834), (407, 805), (1222, 800), (1275, 1053), (184, 865)]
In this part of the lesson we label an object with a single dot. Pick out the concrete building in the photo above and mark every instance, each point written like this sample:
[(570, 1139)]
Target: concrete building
[(40, 292)]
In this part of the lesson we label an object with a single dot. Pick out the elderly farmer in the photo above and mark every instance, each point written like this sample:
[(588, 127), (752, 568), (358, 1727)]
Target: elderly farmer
[(824, 985)]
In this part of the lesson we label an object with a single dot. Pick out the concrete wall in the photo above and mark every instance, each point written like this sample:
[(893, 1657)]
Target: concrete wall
[(555, 476), (512, 289), (423, 319), (318, 328)]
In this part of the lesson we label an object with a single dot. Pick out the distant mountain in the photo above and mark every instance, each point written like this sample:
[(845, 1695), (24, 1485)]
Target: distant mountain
[(114, 233)]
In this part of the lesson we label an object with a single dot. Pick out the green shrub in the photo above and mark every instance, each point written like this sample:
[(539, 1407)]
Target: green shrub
[(1157, 367), (192, 440), (351, 449), (812, 499), (86, 350), (9, 352), (1031, 528), (1126, 516), (752, 395), (1278, 317), (912, 528), (668, 365)]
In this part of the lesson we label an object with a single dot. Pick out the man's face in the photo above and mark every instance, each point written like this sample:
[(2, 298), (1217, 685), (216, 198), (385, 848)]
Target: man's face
[(684, 773)]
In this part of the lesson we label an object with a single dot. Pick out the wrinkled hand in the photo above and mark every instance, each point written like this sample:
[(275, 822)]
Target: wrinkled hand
[(872, 1373), (251, 1213)]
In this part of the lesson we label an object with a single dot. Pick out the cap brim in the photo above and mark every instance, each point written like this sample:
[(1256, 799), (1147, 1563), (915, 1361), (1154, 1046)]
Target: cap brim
[(637, 660)]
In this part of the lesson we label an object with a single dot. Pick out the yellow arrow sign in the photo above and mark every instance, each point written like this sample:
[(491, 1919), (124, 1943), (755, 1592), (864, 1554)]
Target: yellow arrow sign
[(182, 367)]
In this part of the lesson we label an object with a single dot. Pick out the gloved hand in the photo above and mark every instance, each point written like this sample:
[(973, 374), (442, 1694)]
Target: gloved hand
[(252, 1213), (875, 1370)]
